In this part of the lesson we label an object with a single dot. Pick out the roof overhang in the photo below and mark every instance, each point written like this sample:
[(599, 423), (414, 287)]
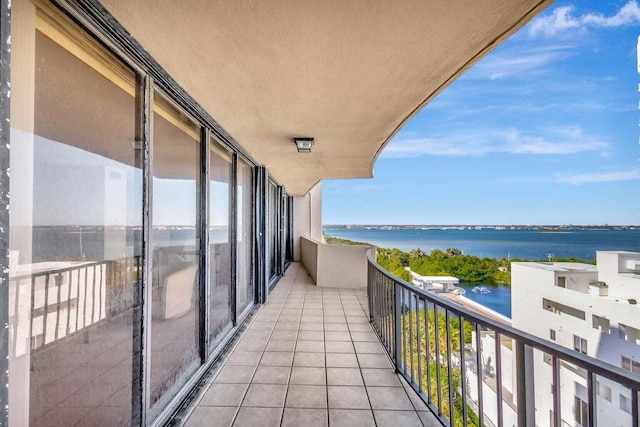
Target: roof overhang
[(348, 73)]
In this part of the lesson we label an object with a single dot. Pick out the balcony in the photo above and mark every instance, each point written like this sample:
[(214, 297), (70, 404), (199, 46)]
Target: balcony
[(311, 356)]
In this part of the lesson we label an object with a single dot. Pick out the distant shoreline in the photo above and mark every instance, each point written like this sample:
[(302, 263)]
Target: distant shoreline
[(545, 228)]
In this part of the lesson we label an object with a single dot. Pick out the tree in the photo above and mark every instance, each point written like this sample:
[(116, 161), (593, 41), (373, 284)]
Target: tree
[(417, 254)]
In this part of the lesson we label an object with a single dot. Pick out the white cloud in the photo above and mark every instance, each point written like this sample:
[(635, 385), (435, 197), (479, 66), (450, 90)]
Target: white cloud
[(562, 19), (479, 142), (516, 63), (599, 177), (574, 179)]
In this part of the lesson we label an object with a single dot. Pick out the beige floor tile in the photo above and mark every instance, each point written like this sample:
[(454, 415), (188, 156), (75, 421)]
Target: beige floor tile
[(364, 336), (344, 376), (310, 346), (428, 419), (348, 397), (287, 326), (235, 374), (224, 395), (339, 347), (311, 335), (265, 395), (341, 360), (284, 335), (261, 326), (252, 417), (368, 347), (312, 326), (316, 360), (336, 327), (351, 418), (248, 345), (289, 318), (281, 345), (334, 319), (277, 358), (380, 361), (360, 327), (271, 375), (211, 416), (308, 376), (380, 377), (306, 396), (337, 336), (391, 398), (244, 358), (396, 418), (294, 417)]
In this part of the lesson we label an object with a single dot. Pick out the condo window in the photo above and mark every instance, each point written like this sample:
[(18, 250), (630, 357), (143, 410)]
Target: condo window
[(630, 365), (562, 282), (625, 404), (581, 411), (580, 344), (600, 323)]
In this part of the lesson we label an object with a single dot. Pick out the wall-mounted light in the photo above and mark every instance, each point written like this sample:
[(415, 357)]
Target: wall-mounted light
[(304, 144)]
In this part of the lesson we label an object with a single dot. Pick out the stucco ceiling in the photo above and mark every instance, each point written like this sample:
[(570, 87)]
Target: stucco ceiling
[(348, 73)]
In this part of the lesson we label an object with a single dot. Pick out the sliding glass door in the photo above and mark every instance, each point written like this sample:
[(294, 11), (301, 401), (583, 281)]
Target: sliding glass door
[(220, 290), (245, 284), (175, 243), (132, 251)]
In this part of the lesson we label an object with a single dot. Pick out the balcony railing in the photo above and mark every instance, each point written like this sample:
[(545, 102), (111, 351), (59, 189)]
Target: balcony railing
[(471, 370), (68, 300)]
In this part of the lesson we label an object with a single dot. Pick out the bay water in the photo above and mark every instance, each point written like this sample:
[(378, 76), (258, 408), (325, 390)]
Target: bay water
[(529, 244)]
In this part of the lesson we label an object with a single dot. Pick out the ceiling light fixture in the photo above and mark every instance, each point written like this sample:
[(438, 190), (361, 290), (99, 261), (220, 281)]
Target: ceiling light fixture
[(304, 144)]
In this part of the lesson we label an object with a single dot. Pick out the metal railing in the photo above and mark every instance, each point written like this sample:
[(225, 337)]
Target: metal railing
[(472, 370)]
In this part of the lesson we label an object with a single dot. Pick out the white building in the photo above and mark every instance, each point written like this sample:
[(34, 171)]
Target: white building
[(591, 309), (434, 283)]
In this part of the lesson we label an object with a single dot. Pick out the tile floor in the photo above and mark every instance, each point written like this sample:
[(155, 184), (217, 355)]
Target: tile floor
[(309, 358)]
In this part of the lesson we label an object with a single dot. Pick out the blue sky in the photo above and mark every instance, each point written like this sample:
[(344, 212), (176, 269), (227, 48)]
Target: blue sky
[(544, 130)]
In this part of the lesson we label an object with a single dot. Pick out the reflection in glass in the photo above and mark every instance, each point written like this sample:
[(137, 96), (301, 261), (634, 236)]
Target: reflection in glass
[(76, 230), (245, 284), (175, 250), (220, 320)]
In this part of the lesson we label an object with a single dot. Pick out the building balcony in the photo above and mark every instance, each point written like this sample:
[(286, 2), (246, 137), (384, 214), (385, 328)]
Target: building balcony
[(328, 356), (309, 357)]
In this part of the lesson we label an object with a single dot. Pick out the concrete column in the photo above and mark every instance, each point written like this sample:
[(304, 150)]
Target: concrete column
[(307, 217)]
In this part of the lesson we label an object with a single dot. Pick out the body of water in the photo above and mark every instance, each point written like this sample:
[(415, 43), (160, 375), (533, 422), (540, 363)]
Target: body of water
[(526, 244), (498, 300)]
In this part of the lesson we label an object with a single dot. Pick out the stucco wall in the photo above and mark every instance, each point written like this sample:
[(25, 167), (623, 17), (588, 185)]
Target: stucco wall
[(307, 218), (335, 266)]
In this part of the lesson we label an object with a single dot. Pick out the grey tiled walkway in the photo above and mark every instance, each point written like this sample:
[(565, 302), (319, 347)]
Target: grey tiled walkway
[(309, 358)]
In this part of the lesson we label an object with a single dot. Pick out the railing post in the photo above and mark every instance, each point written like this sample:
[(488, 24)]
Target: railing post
[(524, 385), (397, 312)]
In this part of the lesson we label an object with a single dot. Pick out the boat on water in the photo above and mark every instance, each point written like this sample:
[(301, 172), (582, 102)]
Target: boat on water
[(458, 291), (481, 289)]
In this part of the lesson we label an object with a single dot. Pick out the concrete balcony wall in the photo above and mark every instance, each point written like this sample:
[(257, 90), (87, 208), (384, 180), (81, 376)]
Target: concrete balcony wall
[(307, 218), (335, 266)]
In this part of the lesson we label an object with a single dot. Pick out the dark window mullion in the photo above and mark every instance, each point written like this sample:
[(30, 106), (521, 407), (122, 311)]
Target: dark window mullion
[(233, 223), (203, 227), (141, 335)]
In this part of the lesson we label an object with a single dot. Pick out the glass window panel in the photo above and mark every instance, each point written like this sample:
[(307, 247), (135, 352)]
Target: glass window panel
[(245, 284), (175, 250), (75, 230), (220, 303)]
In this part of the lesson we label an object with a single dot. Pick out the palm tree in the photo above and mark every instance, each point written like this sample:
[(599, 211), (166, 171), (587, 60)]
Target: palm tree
[(417, 253)]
